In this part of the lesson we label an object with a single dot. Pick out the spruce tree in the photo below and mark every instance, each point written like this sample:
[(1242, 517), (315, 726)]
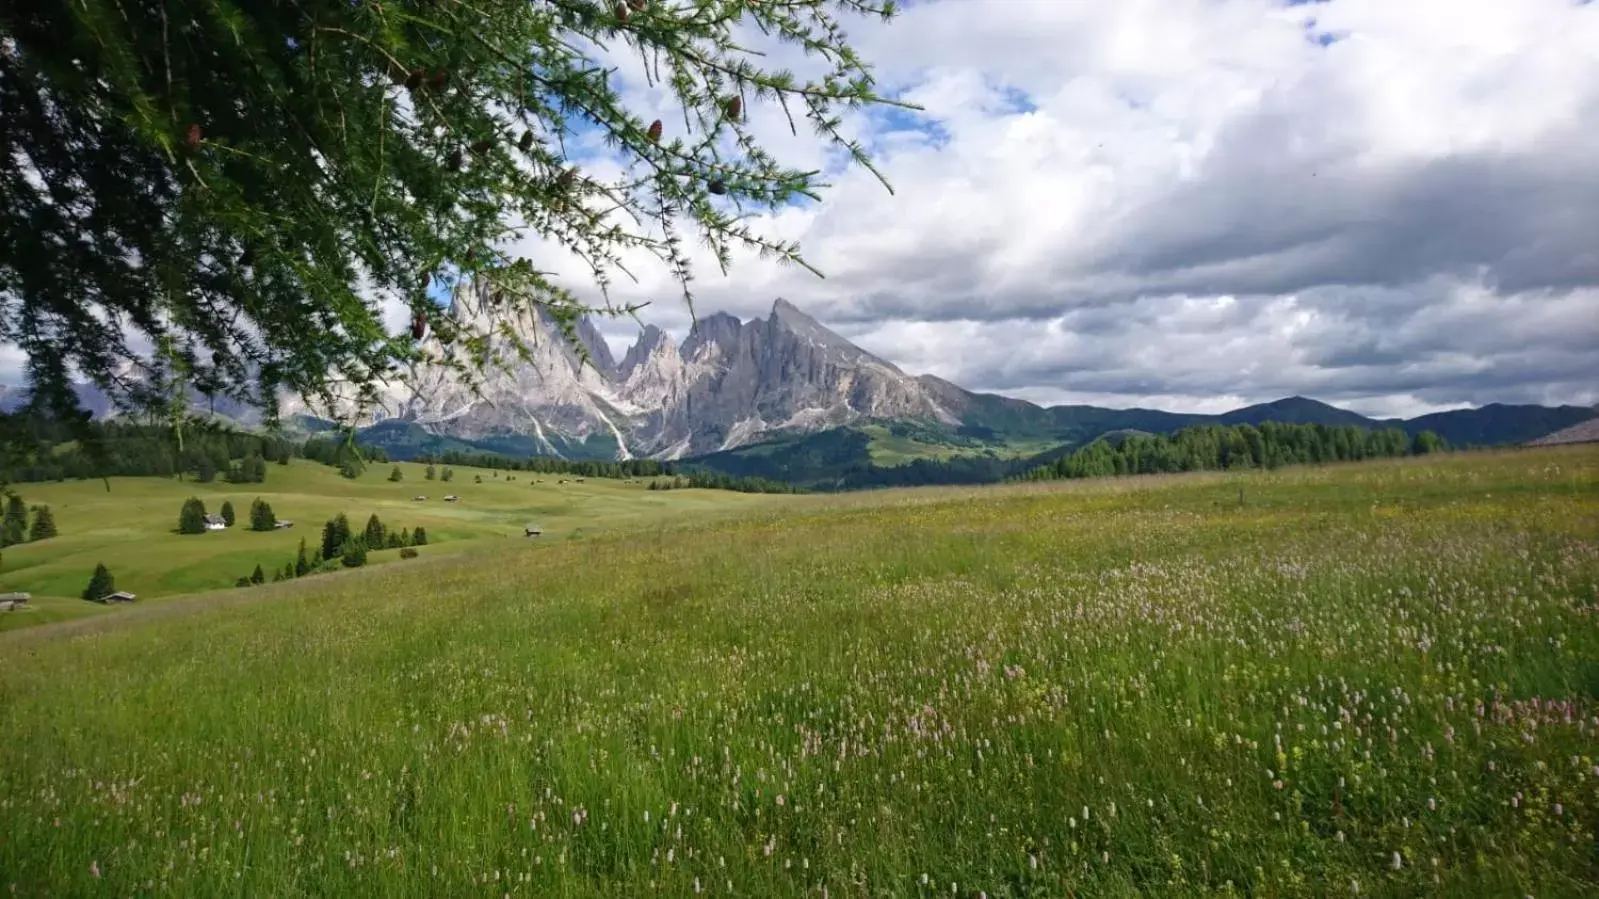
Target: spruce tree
[(261, 516), (419, 537), (14, 527), (395, 474), (374, 532), (192, 519), (44, 524), (100, 584), (301, 563), (227, 513), (257, 576), (334, 534), (432, 472)]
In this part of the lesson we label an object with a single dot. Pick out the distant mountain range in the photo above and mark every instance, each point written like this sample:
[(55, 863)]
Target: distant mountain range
[(733, 384)]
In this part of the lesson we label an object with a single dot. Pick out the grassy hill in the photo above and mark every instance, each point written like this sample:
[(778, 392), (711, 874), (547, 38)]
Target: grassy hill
[(1376, 678), (132, 528)]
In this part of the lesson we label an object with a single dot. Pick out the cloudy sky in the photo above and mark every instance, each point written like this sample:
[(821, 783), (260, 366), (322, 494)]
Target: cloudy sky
[(1194, 204), (1392, 205)]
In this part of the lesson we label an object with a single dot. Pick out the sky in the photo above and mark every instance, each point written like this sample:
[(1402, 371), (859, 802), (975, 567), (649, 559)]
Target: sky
[(1389, 205), (1197, 204)]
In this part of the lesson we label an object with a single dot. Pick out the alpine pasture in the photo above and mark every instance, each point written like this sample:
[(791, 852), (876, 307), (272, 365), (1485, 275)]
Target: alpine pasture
[(1368, 679), (132, 526)]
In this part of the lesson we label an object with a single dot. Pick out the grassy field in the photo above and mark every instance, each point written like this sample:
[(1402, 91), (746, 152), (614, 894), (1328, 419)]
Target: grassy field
[(1378, 679), (888, 448), (132, 528)]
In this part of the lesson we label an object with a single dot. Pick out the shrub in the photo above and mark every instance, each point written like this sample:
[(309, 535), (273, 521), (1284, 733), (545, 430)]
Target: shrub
[(408, 553), (242, 582), (395, 474)]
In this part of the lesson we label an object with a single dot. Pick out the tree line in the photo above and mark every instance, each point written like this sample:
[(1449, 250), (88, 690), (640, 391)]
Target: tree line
[(1221, 447), (710, 480), (342, 547), (58, 451)]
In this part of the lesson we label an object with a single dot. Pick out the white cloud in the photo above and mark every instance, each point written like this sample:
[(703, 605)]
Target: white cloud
[(1199, 203)]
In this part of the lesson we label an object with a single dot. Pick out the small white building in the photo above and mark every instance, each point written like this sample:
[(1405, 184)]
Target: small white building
[(214, 522)]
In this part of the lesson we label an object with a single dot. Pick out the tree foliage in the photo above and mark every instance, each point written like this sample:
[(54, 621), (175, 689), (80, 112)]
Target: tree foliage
[(1217, 447), (14, 526), (191, 520), (239, 186), (101, 583), (44, 524), (227, 513), (261, 516)]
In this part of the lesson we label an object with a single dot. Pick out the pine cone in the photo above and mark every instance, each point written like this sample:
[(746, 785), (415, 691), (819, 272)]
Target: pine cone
[(734, 107), (655, 130), (718, 187), (482, 146), (638, 5), (419, 326), (566, 178), (192, 138), (414, 80), (621, 12), (526, 142), (455, 160), (423, 280), (438, 80)]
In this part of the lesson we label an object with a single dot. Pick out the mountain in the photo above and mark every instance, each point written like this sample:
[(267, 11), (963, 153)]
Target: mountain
[(731, 383), (736, 387), (1584, 432)]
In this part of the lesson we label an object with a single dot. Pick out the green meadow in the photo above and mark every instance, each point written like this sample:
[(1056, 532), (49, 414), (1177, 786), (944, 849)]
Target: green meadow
[(130, 524), (1375, 679)]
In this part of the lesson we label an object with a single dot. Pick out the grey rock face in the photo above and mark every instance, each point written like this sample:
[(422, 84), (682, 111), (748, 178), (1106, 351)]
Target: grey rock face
[(729, 384)]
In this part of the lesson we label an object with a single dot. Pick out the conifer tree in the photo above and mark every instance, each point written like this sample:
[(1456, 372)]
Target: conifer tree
[(419, 537), (374, 532), (265, 175), (257, 576), (14, 527), (100, 584), (334, 534), (395, 474), (44, 524), (227, 513), (301, 563), (192, 519), (261, 516)]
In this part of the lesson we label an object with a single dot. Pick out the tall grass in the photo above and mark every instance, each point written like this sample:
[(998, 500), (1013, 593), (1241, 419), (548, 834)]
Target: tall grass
[(1380, 679)]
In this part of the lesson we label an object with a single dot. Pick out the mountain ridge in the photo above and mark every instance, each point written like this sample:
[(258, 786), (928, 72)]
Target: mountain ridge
[(733, 383)]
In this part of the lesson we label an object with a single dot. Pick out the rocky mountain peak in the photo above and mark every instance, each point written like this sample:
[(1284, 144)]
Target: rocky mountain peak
[(729, 384)]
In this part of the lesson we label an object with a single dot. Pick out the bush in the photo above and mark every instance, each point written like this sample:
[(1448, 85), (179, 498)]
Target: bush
[(353, 554), (408, 553), (100, 583), (242, 582), (192, 519), (395, 474)]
